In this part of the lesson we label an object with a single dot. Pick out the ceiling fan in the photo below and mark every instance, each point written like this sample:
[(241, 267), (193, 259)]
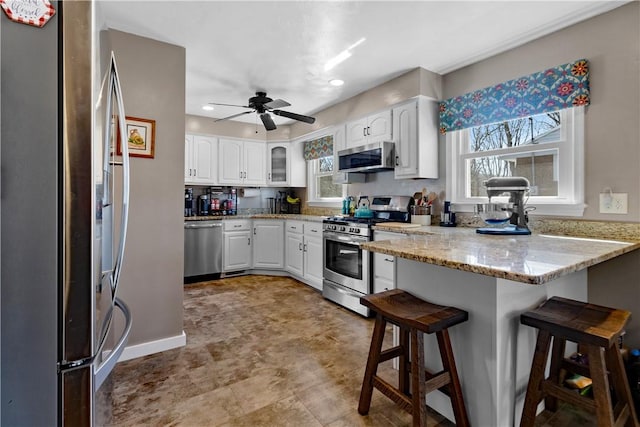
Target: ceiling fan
[(263, 105)]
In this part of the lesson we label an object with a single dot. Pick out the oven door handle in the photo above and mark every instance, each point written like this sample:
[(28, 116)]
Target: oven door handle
[(335, 237)]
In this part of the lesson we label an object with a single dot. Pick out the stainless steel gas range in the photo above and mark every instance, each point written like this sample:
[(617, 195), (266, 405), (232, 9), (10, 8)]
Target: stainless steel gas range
[(347, 268)]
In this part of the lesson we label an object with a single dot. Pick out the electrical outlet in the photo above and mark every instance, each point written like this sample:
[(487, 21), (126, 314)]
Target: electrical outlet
[(533, 190), (613, 203)]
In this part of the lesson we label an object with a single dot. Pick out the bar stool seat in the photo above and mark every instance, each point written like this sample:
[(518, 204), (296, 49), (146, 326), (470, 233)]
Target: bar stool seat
[(414, 317), (595, 328)]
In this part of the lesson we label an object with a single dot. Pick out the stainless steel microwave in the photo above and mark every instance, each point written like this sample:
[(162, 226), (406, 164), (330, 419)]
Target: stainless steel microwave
[(374, 157)]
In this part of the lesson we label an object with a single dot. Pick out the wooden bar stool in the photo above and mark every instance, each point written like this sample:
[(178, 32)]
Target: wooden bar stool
[(414, 317), (594, 328)]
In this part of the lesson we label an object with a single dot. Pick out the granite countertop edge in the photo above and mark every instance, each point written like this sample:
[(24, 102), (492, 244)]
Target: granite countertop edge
[(450, 244)]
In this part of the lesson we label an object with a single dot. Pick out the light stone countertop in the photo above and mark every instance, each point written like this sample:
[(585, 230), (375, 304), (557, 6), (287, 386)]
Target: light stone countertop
[(535, 259), (310, 218)]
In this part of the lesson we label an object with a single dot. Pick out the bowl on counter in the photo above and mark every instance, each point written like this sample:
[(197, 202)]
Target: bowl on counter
[(494, 214)]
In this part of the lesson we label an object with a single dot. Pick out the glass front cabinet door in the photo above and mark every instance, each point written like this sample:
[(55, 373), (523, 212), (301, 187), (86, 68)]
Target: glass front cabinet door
[(278, 162)]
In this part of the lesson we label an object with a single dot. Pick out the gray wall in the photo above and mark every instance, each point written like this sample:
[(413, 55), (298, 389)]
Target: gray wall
[(152, 75), (611, 43)]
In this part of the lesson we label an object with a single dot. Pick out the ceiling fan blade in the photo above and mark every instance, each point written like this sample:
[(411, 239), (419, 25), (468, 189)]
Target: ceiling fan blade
[(229, 105), (277, 103), (267, 121), (235, 115), (294, 116)]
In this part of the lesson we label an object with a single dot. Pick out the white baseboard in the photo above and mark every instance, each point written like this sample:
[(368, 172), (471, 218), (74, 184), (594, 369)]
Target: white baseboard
[(151, 347)]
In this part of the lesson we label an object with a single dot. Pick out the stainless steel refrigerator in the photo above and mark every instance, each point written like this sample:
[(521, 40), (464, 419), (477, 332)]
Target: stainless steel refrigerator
[(63, 216)]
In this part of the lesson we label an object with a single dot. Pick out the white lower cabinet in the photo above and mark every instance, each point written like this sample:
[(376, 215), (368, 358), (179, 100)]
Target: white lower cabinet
[(268, 244), (384, 266), (237, 245), (312, 247), (295, 255), (304, 251)]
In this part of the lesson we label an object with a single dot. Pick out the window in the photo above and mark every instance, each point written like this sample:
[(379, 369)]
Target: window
[(322, 190), (547, 149)]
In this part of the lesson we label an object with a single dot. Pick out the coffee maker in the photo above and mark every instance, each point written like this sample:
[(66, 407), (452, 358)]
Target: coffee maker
[(189, 209), (203, 205), (506, 218)]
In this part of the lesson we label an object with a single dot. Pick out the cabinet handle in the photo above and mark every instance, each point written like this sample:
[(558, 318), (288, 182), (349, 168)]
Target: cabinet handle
[(269, 176), (304, 248), (299, 246), (364, 131), (240, 175), (237, 226), (397, 163), (368, 130), (388, 260), (249, 239), (254, 231)]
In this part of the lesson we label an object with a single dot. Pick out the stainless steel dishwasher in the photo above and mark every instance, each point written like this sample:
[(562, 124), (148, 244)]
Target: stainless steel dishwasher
[(202, 248)]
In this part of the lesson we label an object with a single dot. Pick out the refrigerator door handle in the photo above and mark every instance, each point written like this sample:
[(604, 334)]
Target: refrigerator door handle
[(124, 220), (102, 371)]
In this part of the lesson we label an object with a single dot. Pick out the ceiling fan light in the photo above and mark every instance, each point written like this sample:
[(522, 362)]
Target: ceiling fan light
[(336, 82), (207, 107)]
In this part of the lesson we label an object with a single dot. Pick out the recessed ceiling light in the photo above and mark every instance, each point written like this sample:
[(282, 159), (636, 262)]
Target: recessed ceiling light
[(207, 107), (336, 82)]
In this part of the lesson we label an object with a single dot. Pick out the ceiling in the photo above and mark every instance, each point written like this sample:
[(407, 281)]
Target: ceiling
[(235, 48)]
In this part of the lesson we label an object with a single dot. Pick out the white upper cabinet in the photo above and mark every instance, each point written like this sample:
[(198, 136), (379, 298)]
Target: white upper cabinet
[(254, 163), (278, 164), (241, 162), (200, 166), (298, 169), (415, 133), (373, 128)]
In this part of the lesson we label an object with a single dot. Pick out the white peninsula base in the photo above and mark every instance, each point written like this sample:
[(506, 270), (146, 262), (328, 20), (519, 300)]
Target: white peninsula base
[(493, 351)]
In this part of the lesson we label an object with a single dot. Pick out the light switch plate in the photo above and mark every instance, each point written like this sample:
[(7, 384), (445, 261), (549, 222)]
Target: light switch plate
[(613, 203)]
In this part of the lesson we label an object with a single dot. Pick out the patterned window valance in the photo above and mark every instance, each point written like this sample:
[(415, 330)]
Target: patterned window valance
[(316, 148), (553, 89)]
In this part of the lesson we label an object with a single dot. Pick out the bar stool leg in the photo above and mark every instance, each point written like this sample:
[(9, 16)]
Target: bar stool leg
[(534, 390), (621, 387), (600, 382), (449, 364), (372, 365), (404, 362), (418, 386), (557, 356)]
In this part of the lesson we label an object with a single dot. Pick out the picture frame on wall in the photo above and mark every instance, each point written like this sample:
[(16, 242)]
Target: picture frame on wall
[(141, 137)]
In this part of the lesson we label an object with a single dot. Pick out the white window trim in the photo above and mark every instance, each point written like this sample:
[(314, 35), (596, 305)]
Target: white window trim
[(570, 201), (325, 202)]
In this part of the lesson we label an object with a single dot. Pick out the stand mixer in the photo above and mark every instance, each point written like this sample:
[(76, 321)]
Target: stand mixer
[(499, 214)]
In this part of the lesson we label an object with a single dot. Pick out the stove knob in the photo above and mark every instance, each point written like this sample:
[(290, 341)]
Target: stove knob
[(353, 230), (343, 228)]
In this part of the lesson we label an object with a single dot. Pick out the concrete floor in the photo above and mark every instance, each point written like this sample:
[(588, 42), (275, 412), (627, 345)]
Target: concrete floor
[(262, 351)]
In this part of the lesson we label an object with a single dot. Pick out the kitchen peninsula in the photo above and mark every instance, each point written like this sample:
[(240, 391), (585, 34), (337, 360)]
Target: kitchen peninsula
[(495, 279)]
